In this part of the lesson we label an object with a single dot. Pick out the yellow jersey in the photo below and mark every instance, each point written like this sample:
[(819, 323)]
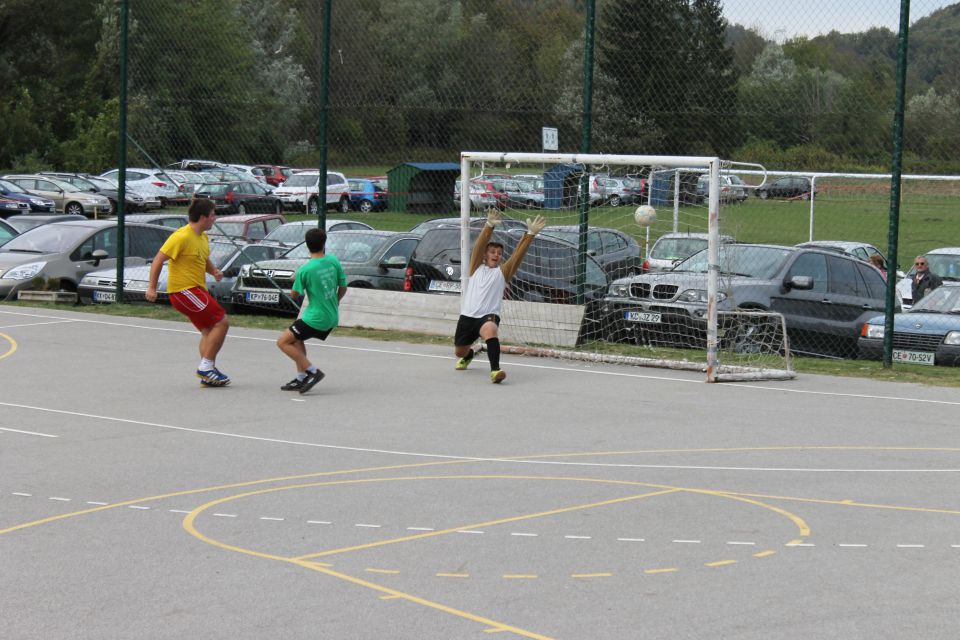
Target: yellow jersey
[(188, 252)]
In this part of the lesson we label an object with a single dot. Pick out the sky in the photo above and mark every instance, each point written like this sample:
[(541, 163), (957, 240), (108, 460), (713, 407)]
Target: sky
[(782, 19)]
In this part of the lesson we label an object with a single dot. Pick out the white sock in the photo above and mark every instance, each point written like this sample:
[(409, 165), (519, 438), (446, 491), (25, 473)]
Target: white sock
[(205, 365), (311, 369), (301, 375)]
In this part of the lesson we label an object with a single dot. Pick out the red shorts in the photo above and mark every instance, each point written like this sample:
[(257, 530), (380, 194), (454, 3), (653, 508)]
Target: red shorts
[(198, 305)]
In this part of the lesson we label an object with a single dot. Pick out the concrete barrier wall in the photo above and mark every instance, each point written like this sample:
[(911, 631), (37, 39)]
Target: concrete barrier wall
[(521, 322)]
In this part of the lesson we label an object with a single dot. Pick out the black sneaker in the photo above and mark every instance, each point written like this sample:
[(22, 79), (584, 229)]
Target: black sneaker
[(293, 385), (311, 380)]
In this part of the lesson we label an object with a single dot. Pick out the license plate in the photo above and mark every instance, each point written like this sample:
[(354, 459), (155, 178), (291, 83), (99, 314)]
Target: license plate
[(269, 297), (105, 296), (642, 316), (445, 285), (912, 357)]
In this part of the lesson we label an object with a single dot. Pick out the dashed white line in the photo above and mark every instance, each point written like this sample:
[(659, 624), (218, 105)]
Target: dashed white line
[(578, 537), (23, 495), (319, 522), (525, 535), (59, 499), (631, 540), (225, 515), (368, 526), (741, 543), (96, 503), (911, 546), (178, 511), (468, 531), (138, 506), (688, 541), (270, 518), (420, 529), (850, 544), (799, 544)]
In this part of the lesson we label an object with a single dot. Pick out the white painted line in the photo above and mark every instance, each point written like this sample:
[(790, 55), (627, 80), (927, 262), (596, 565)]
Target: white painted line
[(318, 522), (578, 537), (736, 542), (297, 400), (850, 545), (269, 518), (23, 495), (225, 515), (420, 529), (29, 433), (137, 506), (688, 541), (799, 544), (525, 535), (369, 526), (955, 546), (631, 540), (99, 504), (911, 546), (178, 511), (60, 499), (468, 531)]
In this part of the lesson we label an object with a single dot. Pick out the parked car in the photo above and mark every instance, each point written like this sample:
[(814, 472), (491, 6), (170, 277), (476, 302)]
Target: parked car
[(366, 196), (249, 172), (481, 198), (101, 285), (187, 184), (673, 248), (929, 333), (7, 232), (291, 234), (275, 175), (147, 182), (68, 251), (371, 259), (240, 198), (945, 262), (547, 273), (223, 174), (860, 250), (824, 297), (476, 222), (68, 198), (26, 221), (37, 203), (613, 191), (732, 189), (10, 207), (520, 195), (301, 192), (251, 227), (617, 252), (108, 189), (169, 220), (788, 188)]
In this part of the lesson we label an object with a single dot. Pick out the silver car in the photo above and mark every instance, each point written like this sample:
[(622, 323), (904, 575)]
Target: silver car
[(68, 198), (67, 251)]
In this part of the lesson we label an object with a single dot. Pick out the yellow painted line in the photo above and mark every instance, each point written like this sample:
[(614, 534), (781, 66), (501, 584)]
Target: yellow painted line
[(389, 597), (590, 575), (321, 564), (520, 576), (797, 520), (11, 349), (764, 554), (390, 571), (719, 563), (452, 575), (497, 630), (794, 542), (670, 570)]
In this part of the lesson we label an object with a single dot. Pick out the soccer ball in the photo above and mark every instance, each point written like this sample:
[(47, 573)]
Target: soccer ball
[(645, 215)]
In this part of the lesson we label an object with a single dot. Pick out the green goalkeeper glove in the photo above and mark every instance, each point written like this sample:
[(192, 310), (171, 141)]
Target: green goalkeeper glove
[(536, 225)]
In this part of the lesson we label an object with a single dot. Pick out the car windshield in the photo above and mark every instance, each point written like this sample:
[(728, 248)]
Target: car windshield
[(302, 180), (227, 228), (348, 247), (745, 260), (288, 233), (47, 238), (940, 300), (677, 248), (945, 265), (10, 186), (215, 189)]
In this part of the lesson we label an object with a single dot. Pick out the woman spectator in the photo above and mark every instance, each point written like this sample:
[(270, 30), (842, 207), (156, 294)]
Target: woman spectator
[(878, 262)]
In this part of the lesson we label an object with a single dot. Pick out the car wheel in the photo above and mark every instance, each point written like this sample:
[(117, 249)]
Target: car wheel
[(344, 206), (313, 206), (74, 208), (763, 195), (366, 206), (614, 201), (242, 209), (113, 207)]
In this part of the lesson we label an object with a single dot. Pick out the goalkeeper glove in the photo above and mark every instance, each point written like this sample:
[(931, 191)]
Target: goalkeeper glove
[(536, 225), (493, 217)]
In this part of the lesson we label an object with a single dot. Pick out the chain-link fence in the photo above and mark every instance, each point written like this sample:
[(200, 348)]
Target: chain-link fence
[(400, 88)]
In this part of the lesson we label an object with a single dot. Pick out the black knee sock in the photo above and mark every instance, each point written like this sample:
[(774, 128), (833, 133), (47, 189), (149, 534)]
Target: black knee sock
[(469, 355), (493, 353)]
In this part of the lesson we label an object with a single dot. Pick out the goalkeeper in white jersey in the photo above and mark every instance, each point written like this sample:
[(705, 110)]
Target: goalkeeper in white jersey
[(480, 303)]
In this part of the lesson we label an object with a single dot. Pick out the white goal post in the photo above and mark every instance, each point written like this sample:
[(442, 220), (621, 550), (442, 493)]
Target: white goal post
[(590, 201)]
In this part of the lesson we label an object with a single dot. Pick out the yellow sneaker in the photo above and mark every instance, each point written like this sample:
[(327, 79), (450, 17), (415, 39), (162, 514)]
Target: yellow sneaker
[(496, 377)]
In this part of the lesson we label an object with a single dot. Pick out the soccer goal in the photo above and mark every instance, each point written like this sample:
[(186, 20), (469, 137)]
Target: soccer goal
[(628, 269)]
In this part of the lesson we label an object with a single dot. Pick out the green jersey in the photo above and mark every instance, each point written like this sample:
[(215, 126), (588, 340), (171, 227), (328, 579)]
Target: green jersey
[(319, 279)]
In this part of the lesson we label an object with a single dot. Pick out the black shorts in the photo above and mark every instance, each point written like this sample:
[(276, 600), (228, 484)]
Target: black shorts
[(302, 331), (468, 329)]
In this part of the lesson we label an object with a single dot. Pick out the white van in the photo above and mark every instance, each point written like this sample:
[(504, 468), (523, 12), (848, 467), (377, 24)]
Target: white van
[(301, 192)]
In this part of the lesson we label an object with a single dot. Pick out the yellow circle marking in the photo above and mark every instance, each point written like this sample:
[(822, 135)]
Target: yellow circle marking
[(11, 342)]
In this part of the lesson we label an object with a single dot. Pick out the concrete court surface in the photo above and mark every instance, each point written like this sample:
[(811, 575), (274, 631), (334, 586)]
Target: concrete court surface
[(403, 500)]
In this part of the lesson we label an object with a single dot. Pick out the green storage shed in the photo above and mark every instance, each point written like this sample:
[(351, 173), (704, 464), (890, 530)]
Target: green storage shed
[(422, 187)]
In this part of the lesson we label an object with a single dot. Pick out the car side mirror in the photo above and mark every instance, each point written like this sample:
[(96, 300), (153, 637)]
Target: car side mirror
[(801, 283), (393, 262), (99, 255), (232, 272)]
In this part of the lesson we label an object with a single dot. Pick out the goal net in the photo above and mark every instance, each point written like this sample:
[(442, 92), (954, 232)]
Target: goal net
[(629, 268)]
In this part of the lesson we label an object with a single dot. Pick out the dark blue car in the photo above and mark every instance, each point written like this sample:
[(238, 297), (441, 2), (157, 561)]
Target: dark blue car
[(929, 333), (366, 195), (12, 191)]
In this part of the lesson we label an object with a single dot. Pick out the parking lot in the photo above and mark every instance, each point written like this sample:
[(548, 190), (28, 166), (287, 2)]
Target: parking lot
[(401, 499)]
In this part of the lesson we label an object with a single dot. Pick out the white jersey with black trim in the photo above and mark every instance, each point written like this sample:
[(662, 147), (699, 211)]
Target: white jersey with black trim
[(484, 294)]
